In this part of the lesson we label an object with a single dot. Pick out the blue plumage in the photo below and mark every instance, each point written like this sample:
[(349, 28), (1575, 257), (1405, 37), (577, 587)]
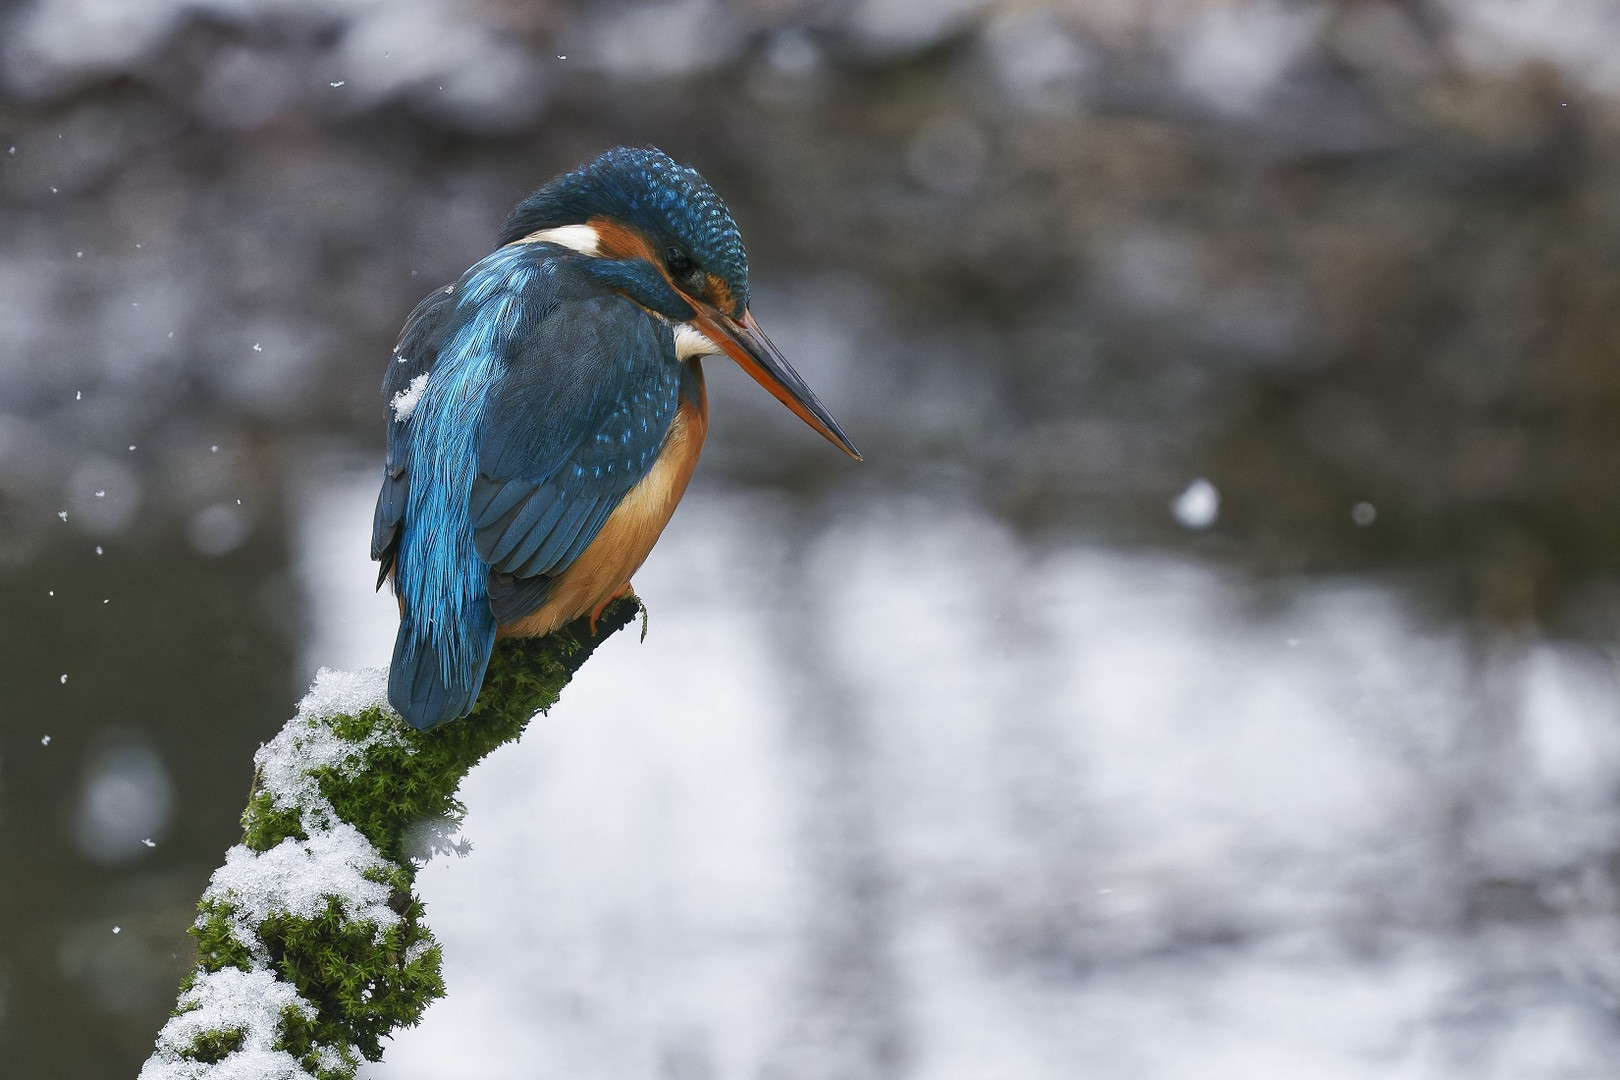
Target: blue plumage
[(547, 399), (447, 631), (644, 188), (539, 390)]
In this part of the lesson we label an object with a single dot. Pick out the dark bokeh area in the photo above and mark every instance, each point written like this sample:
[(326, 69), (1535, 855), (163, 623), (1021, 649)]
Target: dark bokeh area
[(1302, 291)]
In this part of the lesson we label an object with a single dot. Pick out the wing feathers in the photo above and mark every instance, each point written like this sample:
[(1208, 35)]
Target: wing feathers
[(511, 598), (493, 500), (583, 386), (605, 374), (524, 529)]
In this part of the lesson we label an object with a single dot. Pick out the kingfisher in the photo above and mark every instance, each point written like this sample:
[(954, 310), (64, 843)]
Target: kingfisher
[(548, 409)]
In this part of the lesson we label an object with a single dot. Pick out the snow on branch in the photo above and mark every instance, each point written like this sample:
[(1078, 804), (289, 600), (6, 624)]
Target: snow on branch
[(311, 948)]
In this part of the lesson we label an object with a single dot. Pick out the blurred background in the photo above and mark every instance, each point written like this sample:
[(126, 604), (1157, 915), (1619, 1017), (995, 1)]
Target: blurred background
[(1211, 672)]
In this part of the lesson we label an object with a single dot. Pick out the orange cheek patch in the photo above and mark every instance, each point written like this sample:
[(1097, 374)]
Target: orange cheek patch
[(620, 242), (719, 294), (615, 241)]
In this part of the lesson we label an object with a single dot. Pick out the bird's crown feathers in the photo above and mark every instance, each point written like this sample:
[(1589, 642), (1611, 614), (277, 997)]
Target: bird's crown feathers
[(644, 188)]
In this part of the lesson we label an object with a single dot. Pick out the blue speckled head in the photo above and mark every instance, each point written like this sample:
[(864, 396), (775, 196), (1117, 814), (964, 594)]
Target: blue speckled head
[(646, 189)]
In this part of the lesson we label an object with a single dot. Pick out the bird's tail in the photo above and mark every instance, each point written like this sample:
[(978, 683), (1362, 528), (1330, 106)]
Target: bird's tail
[(432, 685)]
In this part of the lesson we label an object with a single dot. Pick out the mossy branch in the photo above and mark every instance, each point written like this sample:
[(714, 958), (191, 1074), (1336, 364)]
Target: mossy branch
[(311, 945)]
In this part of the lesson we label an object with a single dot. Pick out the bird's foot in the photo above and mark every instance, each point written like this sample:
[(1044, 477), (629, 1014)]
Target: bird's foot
[(624, 590)]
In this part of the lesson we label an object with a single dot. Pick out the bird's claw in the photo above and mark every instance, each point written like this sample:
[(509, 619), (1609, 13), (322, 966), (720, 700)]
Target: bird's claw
[(624, 590)]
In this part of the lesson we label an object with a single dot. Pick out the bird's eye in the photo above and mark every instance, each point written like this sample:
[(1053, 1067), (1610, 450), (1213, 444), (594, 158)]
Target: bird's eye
[(678, 261)]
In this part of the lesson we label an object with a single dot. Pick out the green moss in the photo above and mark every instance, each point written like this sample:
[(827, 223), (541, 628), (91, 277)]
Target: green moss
[(264, 826), (364, 981), (216, 1045)]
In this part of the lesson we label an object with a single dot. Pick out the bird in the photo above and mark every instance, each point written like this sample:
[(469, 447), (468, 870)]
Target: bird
[(547, 410)]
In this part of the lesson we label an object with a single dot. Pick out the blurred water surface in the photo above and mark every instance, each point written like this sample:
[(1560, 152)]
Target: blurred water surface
[(1200, 845), (1211, 672)]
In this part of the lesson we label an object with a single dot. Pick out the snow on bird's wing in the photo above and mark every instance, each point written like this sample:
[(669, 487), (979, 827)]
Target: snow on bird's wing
[(413, 357), (576, 420)]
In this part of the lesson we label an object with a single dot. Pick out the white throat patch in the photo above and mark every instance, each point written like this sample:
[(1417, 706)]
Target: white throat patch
[(690, 342), (581, 238)]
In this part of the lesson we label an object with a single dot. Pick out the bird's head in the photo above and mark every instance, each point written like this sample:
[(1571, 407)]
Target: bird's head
[(662, 236)]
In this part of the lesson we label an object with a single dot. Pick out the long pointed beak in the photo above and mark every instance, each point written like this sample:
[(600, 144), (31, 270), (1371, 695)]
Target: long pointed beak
[(746, 343)]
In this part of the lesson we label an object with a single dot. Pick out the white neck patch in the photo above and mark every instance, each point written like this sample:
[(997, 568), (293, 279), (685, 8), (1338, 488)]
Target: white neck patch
[(581, 238), (691, 342)]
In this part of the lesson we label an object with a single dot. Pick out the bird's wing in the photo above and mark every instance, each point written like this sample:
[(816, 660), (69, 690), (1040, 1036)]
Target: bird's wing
[(575, 421), (413, 358)]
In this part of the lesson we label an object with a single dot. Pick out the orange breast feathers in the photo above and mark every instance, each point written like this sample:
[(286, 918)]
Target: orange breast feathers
[(630, 532)]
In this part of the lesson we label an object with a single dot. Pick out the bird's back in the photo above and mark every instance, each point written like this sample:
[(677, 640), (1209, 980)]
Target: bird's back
[(528, 400), (549, 411)]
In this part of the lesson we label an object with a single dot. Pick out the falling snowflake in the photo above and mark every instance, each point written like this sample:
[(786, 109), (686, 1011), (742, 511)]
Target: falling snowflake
[(1198, 506)]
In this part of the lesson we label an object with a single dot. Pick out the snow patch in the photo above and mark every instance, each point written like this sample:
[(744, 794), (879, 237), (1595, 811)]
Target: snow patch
[(297, 878), (300, 878), (345, 693), (287, 763), (247, 1002), (404, 403), (337, 861)]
